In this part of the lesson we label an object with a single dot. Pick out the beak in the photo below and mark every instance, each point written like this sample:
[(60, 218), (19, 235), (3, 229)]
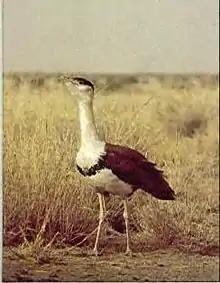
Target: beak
[(65, 78), (62, 79)]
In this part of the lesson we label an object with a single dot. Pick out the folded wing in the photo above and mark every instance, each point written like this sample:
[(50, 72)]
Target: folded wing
[(133, 168)]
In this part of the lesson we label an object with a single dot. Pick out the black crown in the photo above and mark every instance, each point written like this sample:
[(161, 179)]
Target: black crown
[(84, 81)]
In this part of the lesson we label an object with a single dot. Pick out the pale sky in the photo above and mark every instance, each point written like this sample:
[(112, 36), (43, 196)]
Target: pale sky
[(111, 35)]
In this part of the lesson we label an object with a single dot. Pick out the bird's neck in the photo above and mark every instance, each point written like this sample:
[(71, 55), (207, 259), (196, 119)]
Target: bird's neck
[(88, 128)]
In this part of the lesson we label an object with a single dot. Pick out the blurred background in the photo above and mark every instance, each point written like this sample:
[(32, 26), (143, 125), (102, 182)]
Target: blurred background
[(125, 36)]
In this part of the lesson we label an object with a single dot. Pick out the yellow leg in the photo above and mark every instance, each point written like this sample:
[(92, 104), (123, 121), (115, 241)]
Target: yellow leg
[(126, 218), (101, 218)]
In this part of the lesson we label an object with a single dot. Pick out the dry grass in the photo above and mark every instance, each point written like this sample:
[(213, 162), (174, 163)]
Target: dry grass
[(45, 204)]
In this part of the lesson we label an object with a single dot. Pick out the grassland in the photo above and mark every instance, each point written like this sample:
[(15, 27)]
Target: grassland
[(47, 203)]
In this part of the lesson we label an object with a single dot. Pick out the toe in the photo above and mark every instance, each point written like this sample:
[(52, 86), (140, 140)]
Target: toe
[(95, 252), (129, 252)]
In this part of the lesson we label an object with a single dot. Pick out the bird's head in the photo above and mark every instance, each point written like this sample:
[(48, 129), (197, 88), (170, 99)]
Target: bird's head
[(80, 87)]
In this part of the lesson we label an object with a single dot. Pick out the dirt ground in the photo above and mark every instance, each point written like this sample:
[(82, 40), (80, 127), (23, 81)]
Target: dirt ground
[(76, 265)]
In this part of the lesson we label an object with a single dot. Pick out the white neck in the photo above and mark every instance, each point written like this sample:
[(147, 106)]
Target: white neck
[(88, 129)]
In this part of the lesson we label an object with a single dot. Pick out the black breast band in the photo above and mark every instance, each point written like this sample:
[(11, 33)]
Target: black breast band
[(92, 170)]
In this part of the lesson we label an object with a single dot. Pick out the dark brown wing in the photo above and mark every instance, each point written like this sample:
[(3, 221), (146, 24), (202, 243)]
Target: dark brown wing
[(133, 168)]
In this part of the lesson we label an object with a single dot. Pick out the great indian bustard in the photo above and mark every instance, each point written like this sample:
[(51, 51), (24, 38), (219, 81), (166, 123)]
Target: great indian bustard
[(113, 169)]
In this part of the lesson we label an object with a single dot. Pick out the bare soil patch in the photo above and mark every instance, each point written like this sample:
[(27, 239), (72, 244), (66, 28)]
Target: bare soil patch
[(78, 265)]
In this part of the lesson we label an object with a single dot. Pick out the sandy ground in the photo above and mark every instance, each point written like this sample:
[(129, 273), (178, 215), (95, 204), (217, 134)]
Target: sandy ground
[(76, 265)]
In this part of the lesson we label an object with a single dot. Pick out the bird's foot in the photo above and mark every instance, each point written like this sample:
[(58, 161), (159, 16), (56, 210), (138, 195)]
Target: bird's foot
[(129, 252), (95, 252)]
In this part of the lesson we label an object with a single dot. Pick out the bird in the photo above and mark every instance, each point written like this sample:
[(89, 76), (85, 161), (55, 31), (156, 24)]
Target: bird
[(112, 169)]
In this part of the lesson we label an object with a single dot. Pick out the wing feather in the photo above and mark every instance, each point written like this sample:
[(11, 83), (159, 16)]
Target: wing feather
[(133, 168)]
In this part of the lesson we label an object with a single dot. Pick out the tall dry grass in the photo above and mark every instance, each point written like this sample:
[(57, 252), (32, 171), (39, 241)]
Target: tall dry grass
[(178, 129)]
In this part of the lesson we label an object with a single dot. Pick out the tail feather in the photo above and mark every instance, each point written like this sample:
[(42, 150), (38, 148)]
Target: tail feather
[(160, 191), (156, 184)]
